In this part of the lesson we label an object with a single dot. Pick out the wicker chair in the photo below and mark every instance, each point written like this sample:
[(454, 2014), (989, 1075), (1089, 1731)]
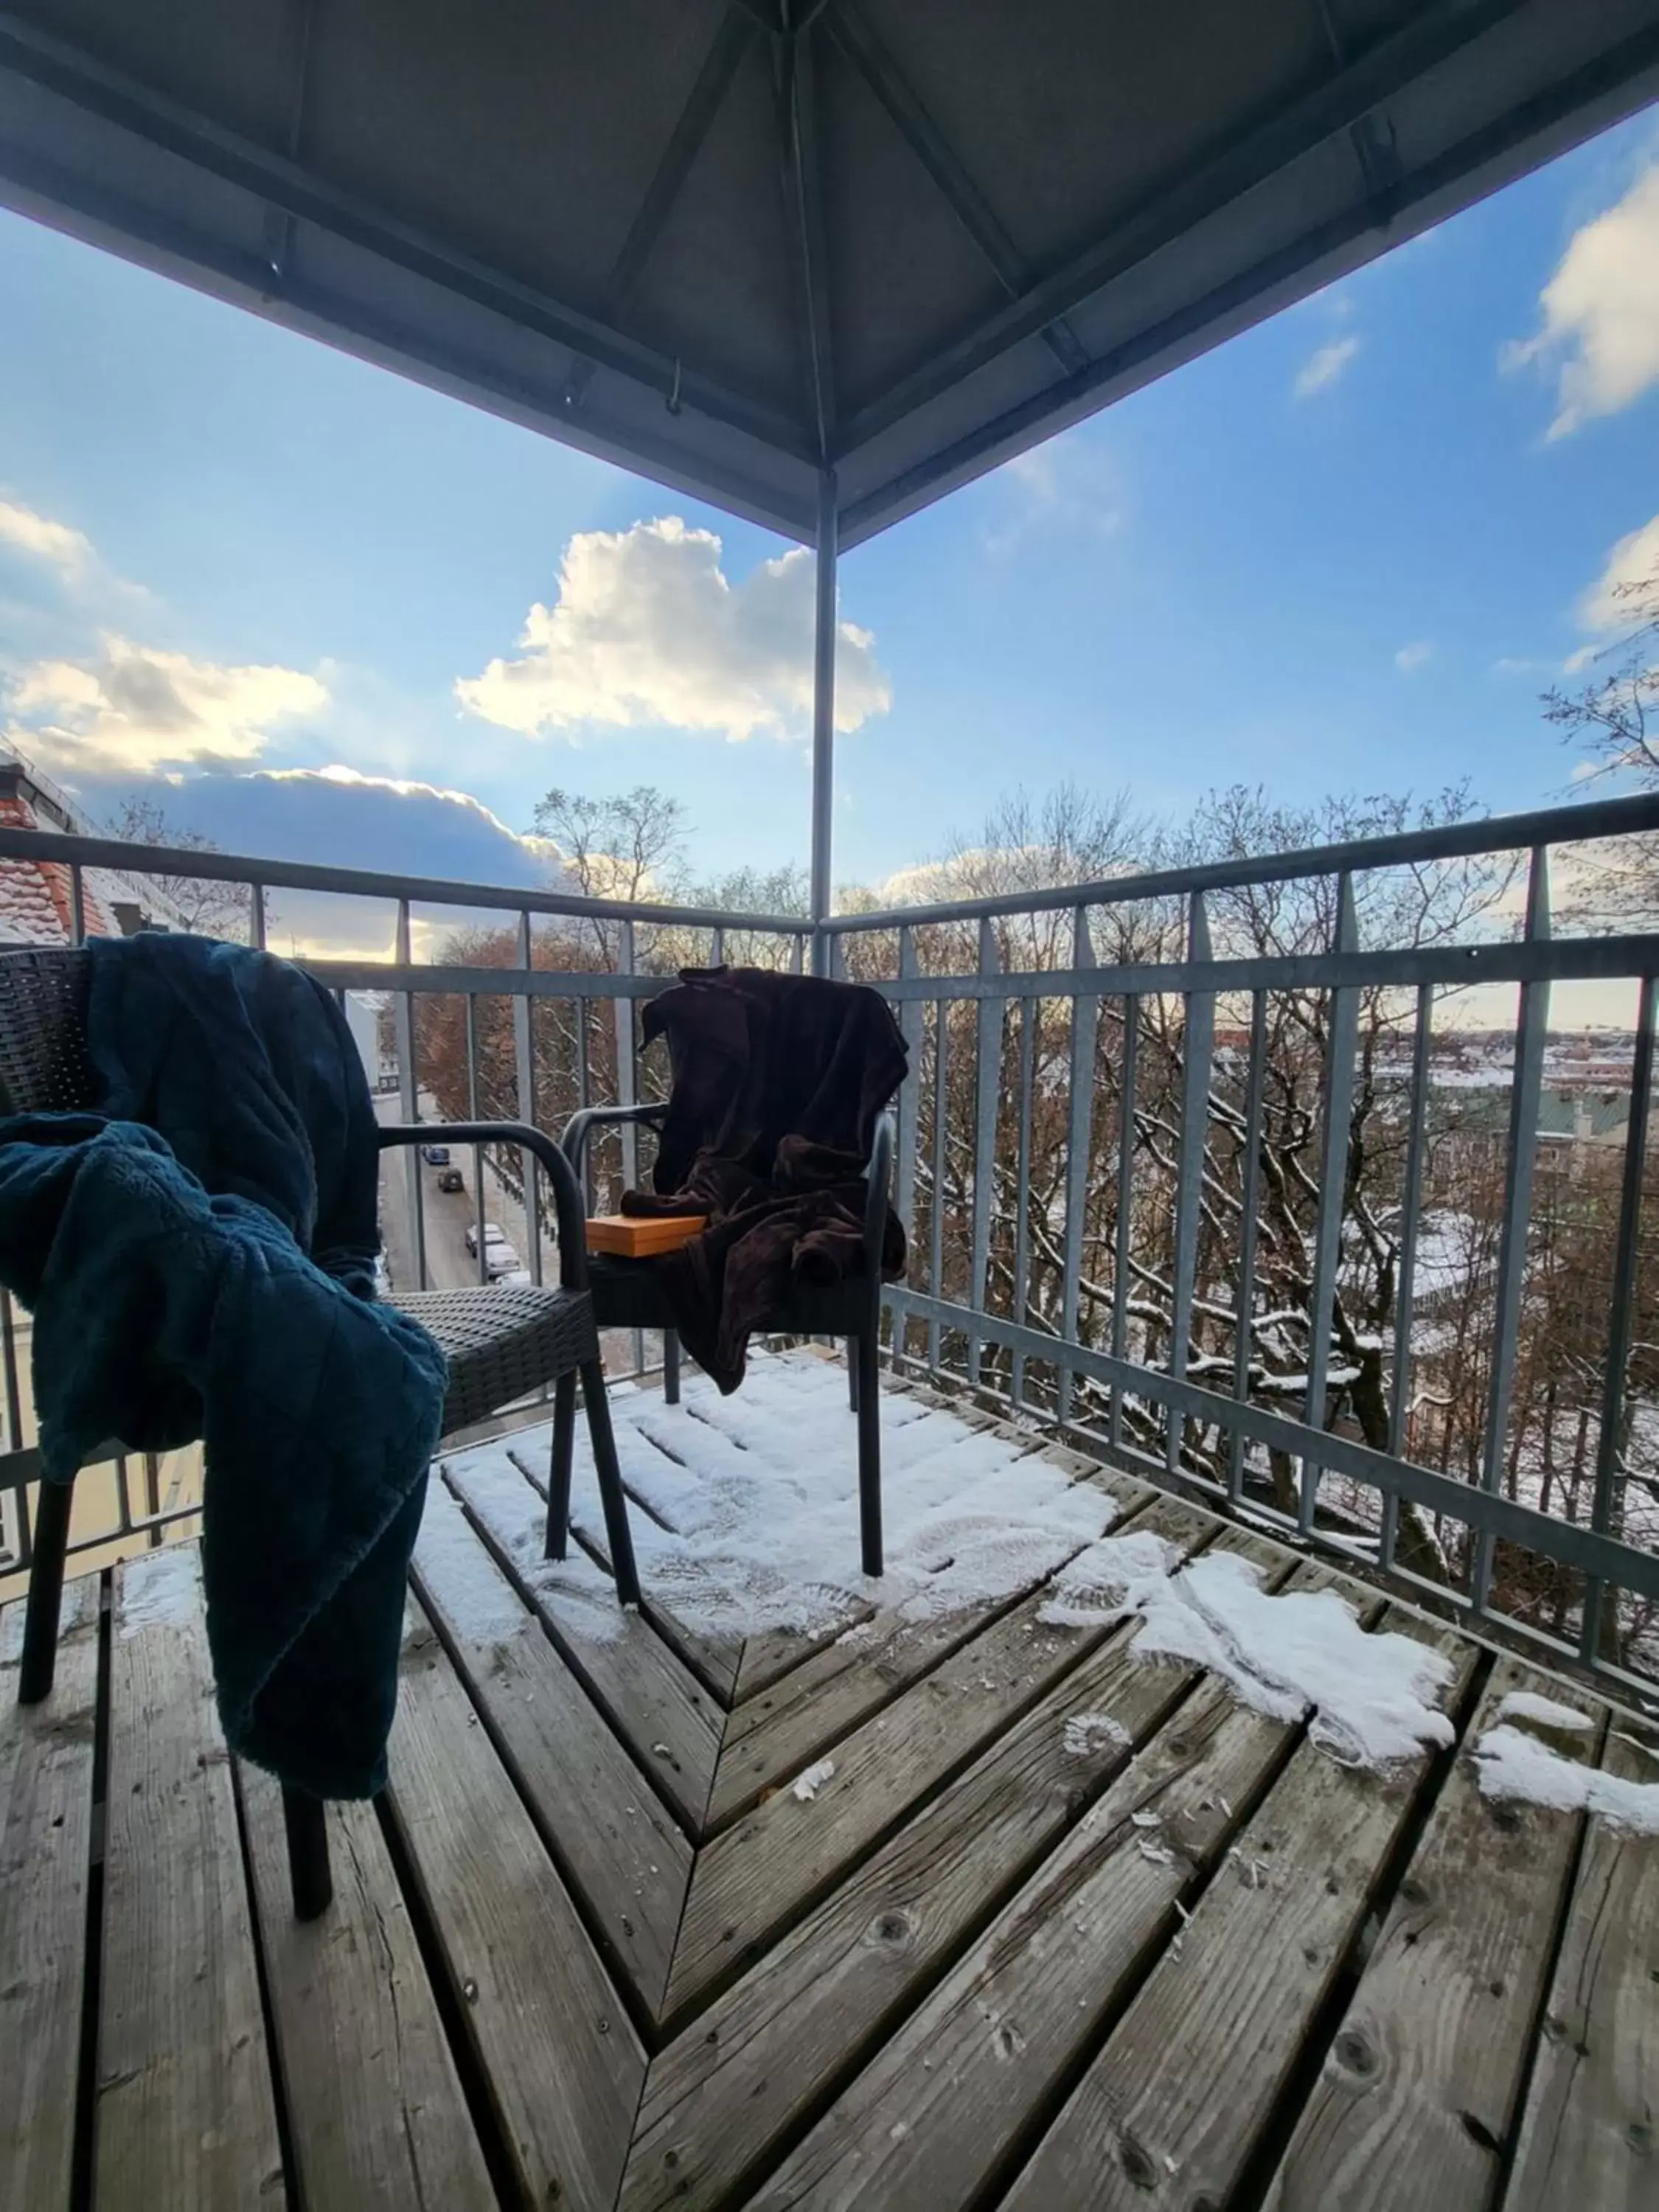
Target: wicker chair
[(627, 1294), (501, 1340)]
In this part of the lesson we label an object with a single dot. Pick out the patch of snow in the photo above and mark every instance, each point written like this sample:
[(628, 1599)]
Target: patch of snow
[(1084, 1734), (751, 1505), (807, 1785), (1512, 1765), (1371, 1697), (578, 1594), (1523, 1706), (159, 1589), (462, 1580)]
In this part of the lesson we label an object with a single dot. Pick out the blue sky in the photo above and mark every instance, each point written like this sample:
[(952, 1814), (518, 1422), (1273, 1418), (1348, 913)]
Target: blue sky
[(1344, 552)]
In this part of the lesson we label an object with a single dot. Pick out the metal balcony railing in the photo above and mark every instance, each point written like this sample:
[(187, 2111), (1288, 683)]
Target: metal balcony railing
[(1269, 1177)]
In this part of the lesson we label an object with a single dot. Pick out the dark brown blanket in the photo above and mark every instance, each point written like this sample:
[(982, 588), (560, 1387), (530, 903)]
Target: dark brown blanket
[(778, 1081)]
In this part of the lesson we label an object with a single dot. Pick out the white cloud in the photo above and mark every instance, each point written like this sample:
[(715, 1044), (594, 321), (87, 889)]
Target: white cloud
[(68, 551), (1601, 311), (1323, 369), (649, 629), (352, 778), (1412, 657), (1070, 483), (1606, 606), (135, 710)]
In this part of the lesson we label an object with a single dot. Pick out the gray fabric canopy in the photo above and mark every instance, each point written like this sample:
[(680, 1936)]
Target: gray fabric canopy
[(735, 245), (816, 261)]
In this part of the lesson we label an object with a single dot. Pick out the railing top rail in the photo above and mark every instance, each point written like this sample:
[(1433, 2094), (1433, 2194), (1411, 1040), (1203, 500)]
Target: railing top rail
[(1497, 833), (364, 882)]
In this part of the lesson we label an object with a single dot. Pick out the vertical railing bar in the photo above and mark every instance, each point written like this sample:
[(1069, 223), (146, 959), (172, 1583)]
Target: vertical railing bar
[(1123, 1237), (987, 1091), (1198, 1055), (1029, 1015), (123, 1497), (717, 947), (798, 959), (912, 1022), (1411, 1204), (472, 1114), (1529, 1040), (77, 905), (627, 1088), (1332, 1188), (626, 1066), (153, 1498), (524, 1056), (256, 916), (409, 1099), (1244, 1337), (936, 1219), (1079, 1128), (14, 1394), (585, 1095), (1594, 1644)]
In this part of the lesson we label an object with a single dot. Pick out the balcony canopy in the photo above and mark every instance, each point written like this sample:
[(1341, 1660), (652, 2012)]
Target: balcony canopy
[(738, 246)]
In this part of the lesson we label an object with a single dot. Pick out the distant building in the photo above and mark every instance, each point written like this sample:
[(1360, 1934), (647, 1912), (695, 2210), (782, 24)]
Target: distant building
[(37, 897)]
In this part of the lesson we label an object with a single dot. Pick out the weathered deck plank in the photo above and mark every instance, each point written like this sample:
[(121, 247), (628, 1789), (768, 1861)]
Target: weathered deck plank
[(752, 1880), (47, 1753), (777, 1733), (1590, 2135), (186, 2114), (1418, 2093), (759, 2059), (617, 1843), (375, 2110), (958, 1976), (647, 1692), (565, 2065), (941, 2105), (1239, 1993)]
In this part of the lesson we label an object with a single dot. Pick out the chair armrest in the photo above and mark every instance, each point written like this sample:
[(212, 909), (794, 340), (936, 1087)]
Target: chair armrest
[(879, 1182), (568, 1213), (577, 1130)]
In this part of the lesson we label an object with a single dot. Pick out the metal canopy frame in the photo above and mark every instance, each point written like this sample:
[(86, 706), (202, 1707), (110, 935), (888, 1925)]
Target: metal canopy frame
[(1397, 112)]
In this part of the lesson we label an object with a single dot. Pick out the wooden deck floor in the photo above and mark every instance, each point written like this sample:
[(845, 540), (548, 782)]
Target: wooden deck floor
[(602, 1945)]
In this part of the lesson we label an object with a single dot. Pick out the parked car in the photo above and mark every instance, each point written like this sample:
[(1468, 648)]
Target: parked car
[(500, 1258), (435, 1156), (450, 1179)]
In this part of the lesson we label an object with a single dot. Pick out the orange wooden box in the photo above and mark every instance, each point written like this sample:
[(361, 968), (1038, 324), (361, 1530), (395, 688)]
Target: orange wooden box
[(642, 1237)]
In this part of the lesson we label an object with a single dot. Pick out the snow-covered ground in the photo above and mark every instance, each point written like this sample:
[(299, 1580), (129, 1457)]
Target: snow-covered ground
[(750, 1520), (750, 1523)]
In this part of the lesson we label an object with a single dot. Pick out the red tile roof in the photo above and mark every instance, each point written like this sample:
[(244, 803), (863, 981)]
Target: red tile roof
[(36, 901)]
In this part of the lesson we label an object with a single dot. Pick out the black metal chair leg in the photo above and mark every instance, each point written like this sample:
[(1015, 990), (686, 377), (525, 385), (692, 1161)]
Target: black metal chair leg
[(564, 1450), (867, 1352), (52, 1529), (671, 1366), (308, 1875), (618, 1533), (852, 1372)]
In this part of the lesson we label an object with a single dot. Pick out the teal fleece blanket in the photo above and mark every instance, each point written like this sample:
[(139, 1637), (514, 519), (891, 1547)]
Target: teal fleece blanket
[(197, 1260)]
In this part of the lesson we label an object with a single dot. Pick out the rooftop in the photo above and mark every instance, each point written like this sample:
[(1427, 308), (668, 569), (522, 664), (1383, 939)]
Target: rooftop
[(904, 1905)]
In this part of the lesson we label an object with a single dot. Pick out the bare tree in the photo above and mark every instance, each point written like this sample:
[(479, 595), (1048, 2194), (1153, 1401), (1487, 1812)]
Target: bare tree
[(207, 907), (1615, 717), (627, 845)]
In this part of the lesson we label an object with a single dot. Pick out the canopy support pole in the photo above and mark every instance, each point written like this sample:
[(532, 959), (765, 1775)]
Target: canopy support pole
[(823, 722)]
